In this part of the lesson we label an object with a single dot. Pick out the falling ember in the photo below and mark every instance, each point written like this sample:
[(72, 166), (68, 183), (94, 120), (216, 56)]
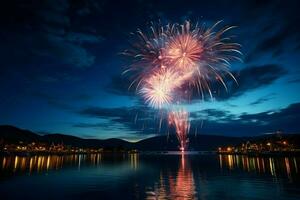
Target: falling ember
[(180, 120)]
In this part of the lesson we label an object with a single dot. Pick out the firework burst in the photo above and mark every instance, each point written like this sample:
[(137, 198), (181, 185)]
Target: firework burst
[(158, 88), (174, 58), (200, 55), (183, 52)]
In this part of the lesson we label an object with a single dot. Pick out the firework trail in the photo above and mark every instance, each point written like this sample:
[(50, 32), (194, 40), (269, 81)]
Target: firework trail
[(180, 120), (170, 61)]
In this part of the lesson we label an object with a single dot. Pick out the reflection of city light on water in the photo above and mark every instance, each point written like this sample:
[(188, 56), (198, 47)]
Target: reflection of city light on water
[(230, 161), (45, 163), (134, 160), (295, 163), (273, 166), (220, 161)]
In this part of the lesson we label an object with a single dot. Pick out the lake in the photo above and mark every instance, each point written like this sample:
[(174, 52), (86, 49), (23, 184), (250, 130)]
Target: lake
[(138, 176)]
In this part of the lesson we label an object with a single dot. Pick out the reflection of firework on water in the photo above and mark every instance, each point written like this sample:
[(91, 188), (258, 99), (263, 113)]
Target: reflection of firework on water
[(179, 185), (180, 120), (170, 61)]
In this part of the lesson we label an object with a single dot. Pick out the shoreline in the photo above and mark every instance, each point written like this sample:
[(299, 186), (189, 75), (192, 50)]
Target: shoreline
[(165, 153), (257, 154)]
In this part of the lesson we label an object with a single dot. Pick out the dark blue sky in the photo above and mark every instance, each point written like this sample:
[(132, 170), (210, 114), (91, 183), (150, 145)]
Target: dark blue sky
[(61, 69)]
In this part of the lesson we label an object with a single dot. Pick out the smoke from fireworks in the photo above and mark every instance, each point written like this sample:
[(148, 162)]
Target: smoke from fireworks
[(177, 57)]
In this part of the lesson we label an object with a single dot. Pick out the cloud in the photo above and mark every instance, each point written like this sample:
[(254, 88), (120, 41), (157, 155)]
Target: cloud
[(53, 101), (101, 126), (120, 85), (58, 47), (297, 80), (280, 35), (46, 34), (255, 77), (82, 97), (222, 122), (212, 116), (262, 99), (63, 102), (214, 113), (88, 125), (248, 79), (139, 119)]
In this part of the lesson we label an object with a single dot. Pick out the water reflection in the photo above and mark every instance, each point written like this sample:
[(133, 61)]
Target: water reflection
[(134, 160), (274, 166), (268, 165), (140, 176), (42, 163), (179, 186)]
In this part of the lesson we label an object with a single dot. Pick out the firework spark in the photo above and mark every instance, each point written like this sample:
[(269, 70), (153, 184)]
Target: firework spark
[(184, 51), (158, 88), (162, 87), (180, 120)]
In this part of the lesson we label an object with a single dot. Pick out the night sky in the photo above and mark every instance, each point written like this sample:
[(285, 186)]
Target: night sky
[(61, 67)]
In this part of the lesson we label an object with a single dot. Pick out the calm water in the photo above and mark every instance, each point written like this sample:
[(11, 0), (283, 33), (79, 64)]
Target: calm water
[(136, 176)]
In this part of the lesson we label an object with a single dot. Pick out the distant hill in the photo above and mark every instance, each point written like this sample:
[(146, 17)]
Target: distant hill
[(14, 135), (11, 134)]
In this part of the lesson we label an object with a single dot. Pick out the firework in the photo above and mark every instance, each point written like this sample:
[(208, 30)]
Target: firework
[(199, 55), (162, 87), (146, 53), (183, 51), (180, 120), (168, 62), (158, 88)]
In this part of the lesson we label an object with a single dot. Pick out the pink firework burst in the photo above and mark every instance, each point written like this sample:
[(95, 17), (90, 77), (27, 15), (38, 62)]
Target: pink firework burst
[(157, 88), (199, 55)]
